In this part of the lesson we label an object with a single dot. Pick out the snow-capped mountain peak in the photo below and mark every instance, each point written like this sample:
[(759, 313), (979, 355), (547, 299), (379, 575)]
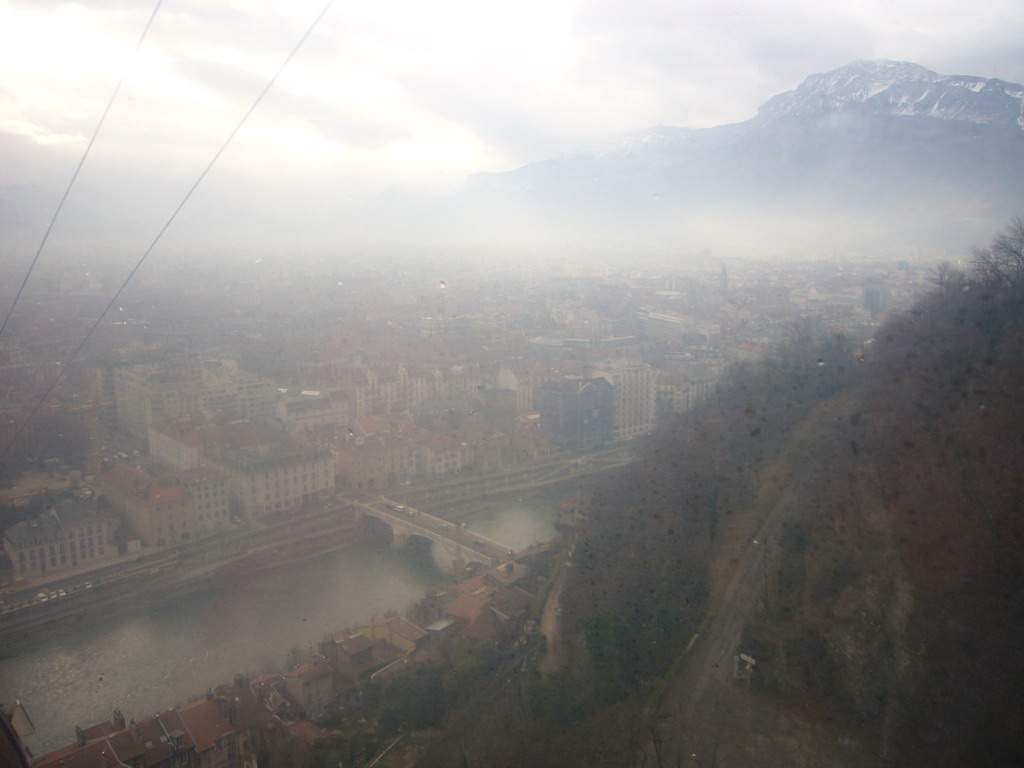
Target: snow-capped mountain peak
[(900, 88), (852, 145)]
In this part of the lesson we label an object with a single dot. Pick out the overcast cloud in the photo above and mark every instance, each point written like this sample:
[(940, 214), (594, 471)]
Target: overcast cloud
[(420, 95)]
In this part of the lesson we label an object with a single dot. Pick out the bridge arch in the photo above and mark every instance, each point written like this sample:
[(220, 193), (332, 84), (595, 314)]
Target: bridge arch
[(376, 530), (453, 547)]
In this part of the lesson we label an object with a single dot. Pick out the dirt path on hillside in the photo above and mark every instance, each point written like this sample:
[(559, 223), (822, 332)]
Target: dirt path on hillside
[(699, 713), (550, 626), (556, 657)]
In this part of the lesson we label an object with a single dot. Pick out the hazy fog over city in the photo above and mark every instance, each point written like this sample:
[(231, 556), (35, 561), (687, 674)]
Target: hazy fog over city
[(436, 384), (387, 109)]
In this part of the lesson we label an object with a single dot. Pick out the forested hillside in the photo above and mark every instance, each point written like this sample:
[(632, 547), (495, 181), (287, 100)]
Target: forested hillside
[(850, 516)]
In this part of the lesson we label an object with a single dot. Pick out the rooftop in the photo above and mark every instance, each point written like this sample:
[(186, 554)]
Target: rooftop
[(310, 672), (142, 486), (52, 524), (197, 476)]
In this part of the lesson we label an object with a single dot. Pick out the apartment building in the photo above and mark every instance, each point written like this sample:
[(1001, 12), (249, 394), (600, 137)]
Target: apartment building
[(162, 512), (313, 408), (373, 461), (271, 477), (65, 536), (577, 413), (634, 387), (180, 442), (678, 392), (209, 491), (150, 393)]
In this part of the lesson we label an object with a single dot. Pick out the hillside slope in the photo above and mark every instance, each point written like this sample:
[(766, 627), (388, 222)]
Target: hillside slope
[(850, 519), (891, 583)]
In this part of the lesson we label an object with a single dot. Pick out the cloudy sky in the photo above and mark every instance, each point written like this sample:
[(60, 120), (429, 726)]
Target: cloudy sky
[(419, 95)]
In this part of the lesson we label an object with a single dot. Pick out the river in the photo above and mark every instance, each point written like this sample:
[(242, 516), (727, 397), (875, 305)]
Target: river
[(147, 660)]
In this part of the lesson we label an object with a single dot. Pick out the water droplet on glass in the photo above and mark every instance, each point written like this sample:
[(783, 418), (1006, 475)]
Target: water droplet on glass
[(966, 288), (443, 284), (657, 198), (821, 363), (340, 283)]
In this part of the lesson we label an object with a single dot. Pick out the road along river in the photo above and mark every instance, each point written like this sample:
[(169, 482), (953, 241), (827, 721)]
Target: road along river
[(145, 659)]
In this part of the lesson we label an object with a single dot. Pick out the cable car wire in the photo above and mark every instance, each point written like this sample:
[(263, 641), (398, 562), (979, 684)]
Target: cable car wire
[(164, 228), (74, 176)]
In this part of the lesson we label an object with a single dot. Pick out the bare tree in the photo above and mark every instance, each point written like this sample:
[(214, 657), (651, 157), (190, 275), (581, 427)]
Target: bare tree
[(948, 279), (1002, 263)]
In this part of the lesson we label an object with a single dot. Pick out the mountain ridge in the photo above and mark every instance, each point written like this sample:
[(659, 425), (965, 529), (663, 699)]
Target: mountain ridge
[(872, 157), (845, 149), (902, 88), (858, 84)]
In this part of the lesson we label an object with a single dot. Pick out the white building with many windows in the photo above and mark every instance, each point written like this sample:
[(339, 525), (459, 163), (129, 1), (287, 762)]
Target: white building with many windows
[(634, 389), (270, 478), (65, 536)]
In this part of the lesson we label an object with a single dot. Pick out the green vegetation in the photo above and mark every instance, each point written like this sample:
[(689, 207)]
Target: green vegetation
[(328, 753), (557, 701), (412, 701), (422, 696)]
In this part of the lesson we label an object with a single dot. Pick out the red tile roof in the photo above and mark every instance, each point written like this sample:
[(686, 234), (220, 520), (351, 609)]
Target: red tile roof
[(508, 573), (99, 731), (406, 629), (484, 627), (310, 672), (204, 723), (354, 644), (141, 485), (98, 754), (306, 732), (466, 607), (252, 711), (472, 585), (152, 739), (125, 478)]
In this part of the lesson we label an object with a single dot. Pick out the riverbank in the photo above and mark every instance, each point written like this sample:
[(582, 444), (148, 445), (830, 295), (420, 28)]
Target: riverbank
[(131, 582), (144, 655), (172, 575)]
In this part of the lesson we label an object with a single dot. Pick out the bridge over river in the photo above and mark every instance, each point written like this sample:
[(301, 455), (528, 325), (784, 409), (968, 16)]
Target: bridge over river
[(459, 545)]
